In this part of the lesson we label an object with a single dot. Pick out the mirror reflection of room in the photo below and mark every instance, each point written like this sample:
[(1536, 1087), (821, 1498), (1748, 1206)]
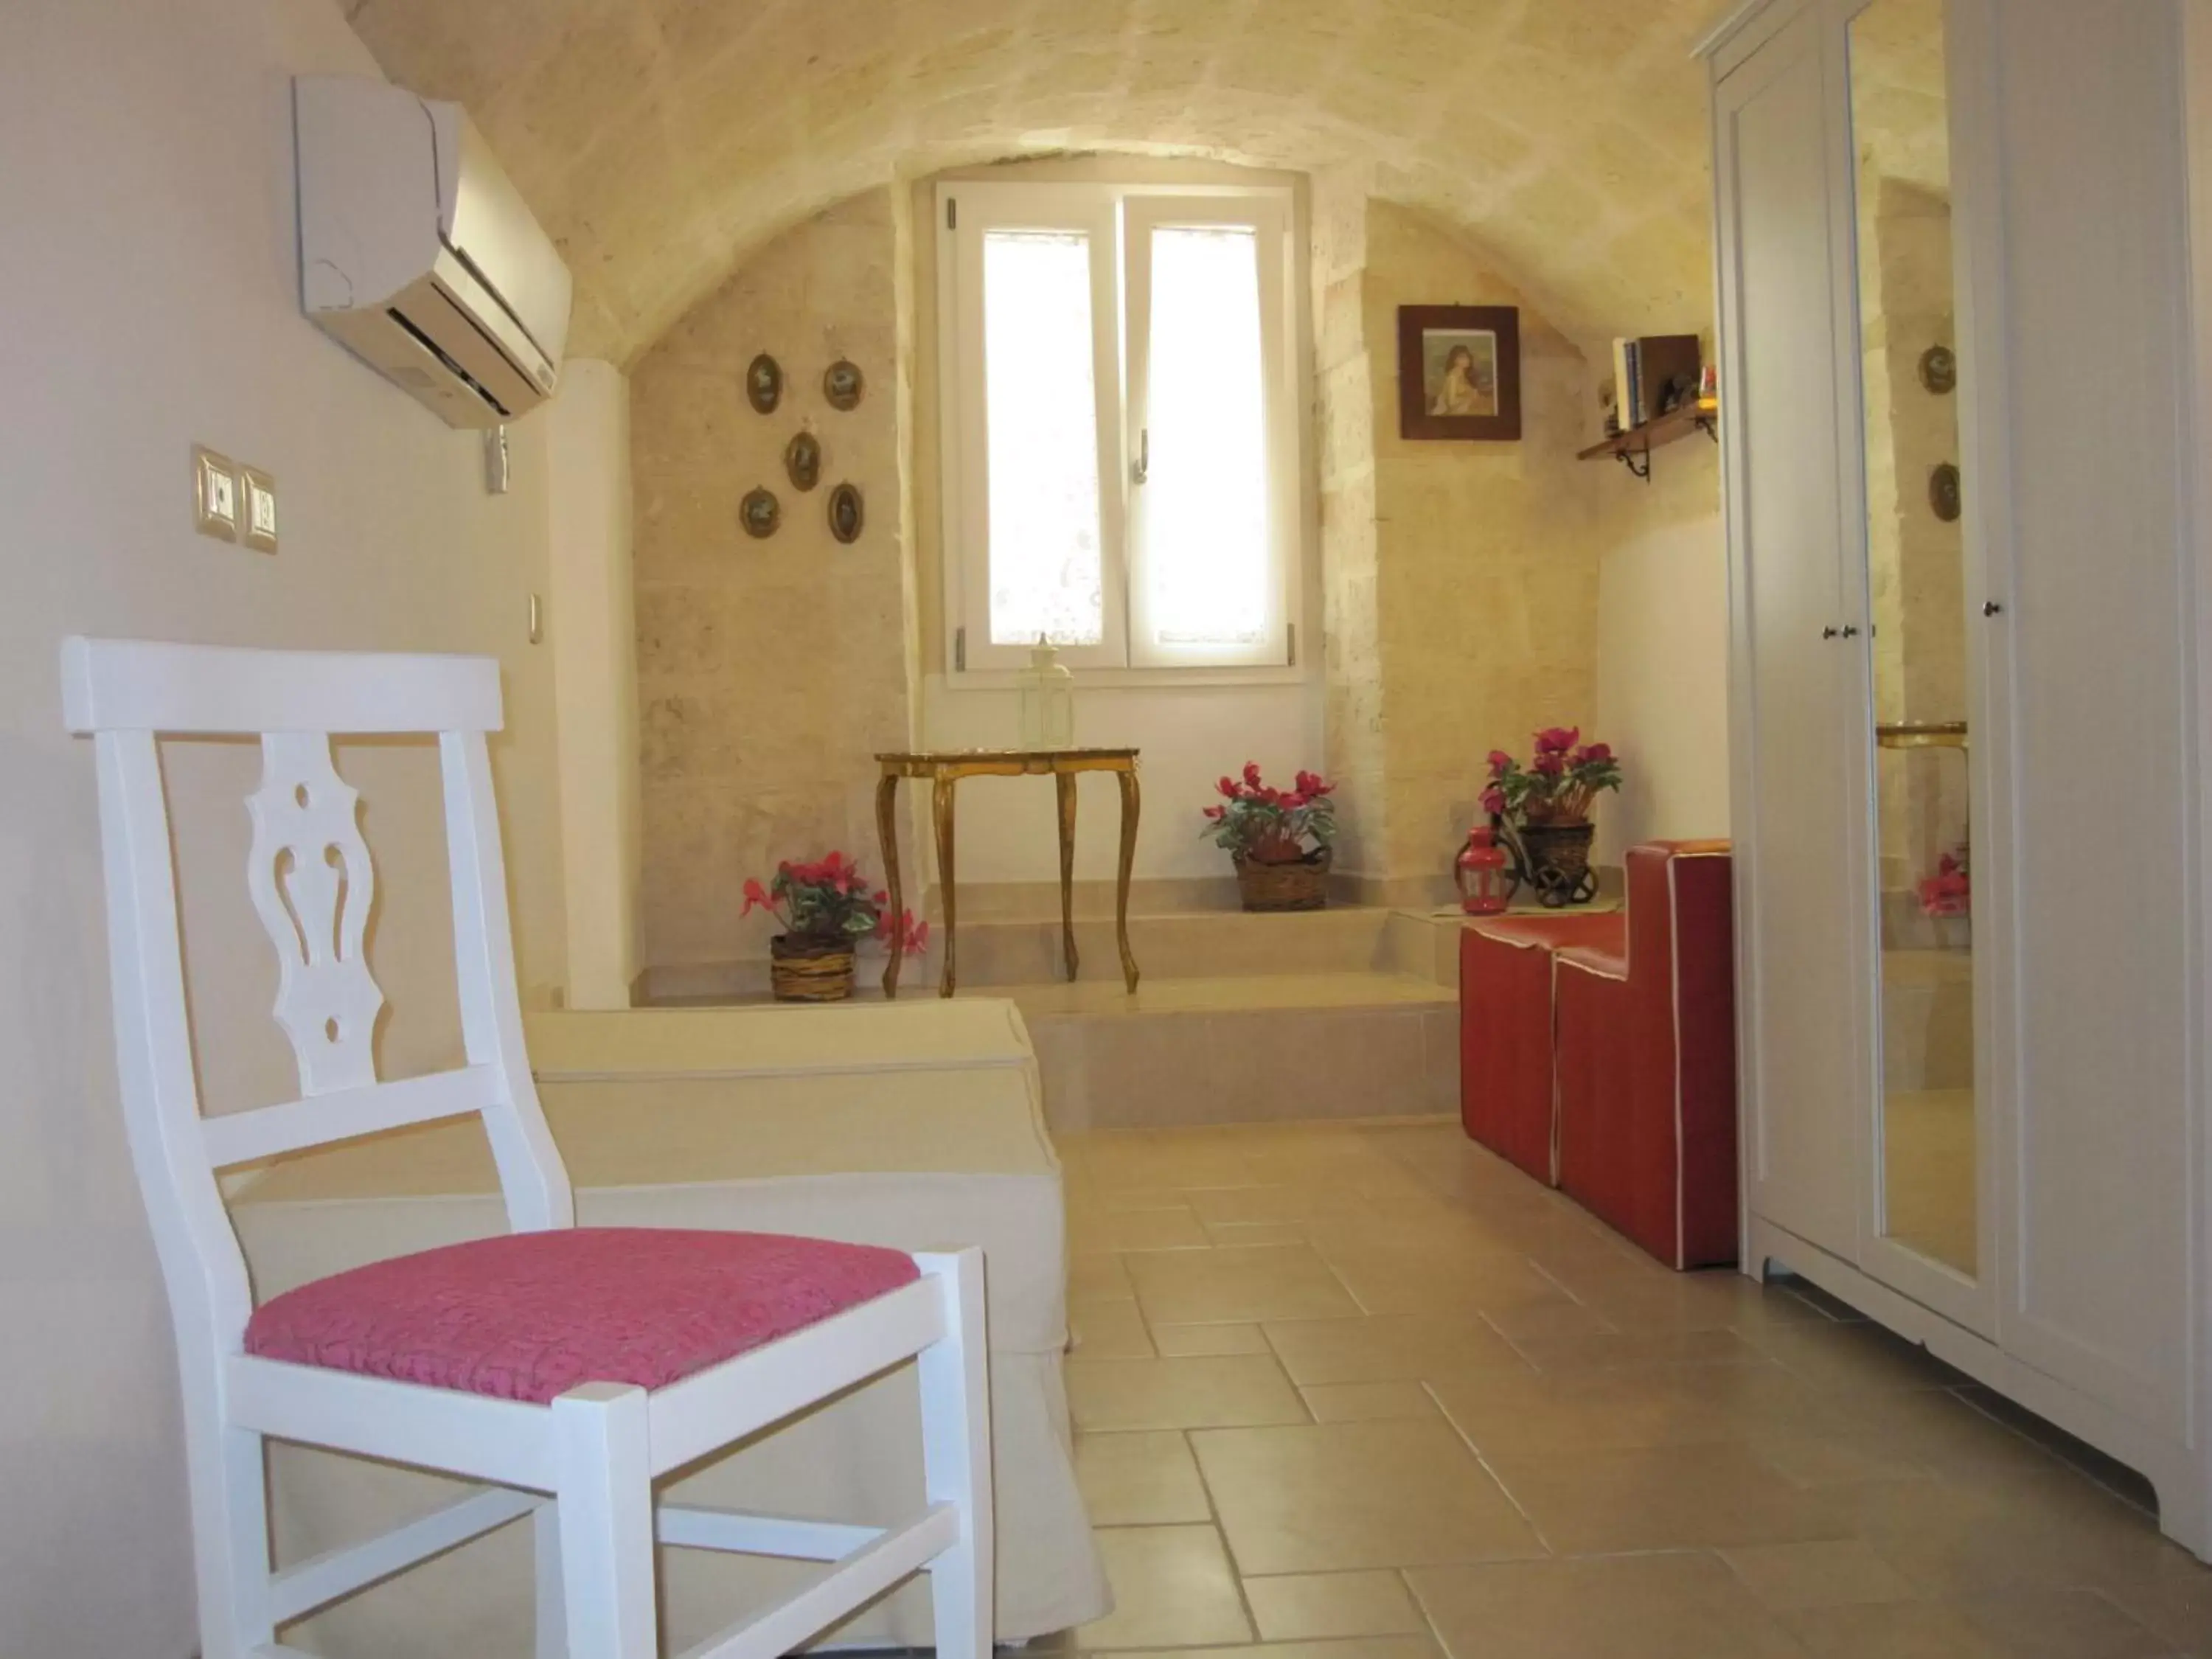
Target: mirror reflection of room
[(1916, 577)]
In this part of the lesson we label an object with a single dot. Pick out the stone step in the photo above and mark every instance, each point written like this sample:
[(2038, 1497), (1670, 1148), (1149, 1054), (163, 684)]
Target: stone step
[(1193, 945), (1244, 1048), (1004, 952)]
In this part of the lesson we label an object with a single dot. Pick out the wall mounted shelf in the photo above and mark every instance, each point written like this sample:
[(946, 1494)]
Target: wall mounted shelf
[(1633, 448)]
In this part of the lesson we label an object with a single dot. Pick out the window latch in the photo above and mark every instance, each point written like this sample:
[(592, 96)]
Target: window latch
[(1143, 467)]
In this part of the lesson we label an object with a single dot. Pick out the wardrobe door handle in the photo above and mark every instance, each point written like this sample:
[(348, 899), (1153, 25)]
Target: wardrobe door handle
[(1851, 633), (1991, 608), (1829, 632)]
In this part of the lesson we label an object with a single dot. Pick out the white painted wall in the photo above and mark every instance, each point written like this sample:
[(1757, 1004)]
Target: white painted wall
[(1190, 736), (591, 625), (149, 290), (1662, 648)]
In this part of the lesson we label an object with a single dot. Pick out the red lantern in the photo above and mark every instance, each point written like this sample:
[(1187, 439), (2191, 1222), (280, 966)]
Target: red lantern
[(1485, 888)]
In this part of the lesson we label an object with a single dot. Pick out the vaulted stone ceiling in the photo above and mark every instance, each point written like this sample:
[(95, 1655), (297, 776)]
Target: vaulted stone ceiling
[(1900, 108), (661, 141)]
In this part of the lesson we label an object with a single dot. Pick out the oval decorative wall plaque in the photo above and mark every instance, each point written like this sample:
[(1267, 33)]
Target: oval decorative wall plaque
[(802, 461), (765, 383), (1939, 370), (847, 514), (1944, 496), (760, 513), (843, 383)]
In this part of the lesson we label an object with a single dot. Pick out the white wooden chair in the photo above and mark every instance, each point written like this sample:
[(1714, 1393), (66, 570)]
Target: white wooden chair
[(571, 1419)]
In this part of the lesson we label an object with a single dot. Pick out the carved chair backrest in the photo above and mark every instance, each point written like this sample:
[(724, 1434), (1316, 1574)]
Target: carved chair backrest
[(312, 885)]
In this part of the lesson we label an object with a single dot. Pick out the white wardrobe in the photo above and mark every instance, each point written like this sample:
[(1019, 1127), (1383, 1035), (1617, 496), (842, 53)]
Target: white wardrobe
[(1964, 448)]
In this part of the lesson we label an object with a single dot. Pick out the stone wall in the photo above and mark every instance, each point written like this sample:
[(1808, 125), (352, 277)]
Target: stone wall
[(1916, 560), (1488, 564), (770, 672), (1459, 583), (1461, 578), (1353, 709)]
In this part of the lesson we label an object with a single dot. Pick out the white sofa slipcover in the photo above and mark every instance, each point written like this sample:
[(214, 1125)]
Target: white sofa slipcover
[(912, 1125)]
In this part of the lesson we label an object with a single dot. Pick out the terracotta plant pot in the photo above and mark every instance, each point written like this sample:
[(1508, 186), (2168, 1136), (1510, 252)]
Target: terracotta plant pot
[(809, 969), (1558, 859), (1298, 884)]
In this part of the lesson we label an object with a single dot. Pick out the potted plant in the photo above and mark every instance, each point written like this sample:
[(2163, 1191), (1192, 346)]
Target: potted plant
[(1279, 839), (1545, 809), (1947, 898), (826, 908)]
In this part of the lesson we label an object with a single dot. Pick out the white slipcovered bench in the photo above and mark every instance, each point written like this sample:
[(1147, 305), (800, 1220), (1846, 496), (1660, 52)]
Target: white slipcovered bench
[(915, 1126)]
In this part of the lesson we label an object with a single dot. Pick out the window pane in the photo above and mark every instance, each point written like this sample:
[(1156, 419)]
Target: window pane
[(1042, 412), (1205, 559)]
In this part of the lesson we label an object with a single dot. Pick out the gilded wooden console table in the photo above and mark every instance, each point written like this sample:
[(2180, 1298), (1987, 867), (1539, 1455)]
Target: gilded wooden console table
[(943, 769)]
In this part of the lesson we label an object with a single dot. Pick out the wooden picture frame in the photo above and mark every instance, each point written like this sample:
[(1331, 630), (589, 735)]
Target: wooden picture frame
[(1459, 372)]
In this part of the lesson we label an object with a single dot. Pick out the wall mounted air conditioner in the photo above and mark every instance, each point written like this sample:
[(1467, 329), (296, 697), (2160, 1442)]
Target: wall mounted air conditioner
[(417, 253)]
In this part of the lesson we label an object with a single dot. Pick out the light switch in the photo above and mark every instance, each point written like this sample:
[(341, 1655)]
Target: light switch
[(214, 495), (257, 510)]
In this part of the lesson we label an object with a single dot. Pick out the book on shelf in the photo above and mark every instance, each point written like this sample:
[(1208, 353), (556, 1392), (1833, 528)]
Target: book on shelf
[(1666, 372), (1645, 370)]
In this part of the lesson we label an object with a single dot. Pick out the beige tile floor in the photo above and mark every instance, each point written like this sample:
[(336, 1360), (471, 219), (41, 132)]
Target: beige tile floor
[(1364, 1392)]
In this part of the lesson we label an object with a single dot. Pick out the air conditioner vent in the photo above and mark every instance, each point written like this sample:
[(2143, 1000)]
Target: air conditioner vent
[(452, 366), (419, 254)]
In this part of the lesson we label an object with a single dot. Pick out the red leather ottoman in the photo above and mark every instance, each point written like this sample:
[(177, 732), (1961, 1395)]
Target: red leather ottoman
[(1507, 1099), (1646, 1047)]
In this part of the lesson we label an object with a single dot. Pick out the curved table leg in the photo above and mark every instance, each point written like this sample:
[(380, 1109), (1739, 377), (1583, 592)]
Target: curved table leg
[(1130, 803), (941, 812), (1064, 784), (887, 838)]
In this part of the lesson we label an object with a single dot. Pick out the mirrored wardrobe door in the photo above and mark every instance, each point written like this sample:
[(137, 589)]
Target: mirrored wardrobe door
[(1930, 1136)]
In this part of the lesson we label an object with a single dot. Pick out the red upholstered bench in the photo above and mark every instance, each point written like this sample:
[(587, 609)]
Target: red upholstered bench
[(1507, 1092), (1645, 1039)]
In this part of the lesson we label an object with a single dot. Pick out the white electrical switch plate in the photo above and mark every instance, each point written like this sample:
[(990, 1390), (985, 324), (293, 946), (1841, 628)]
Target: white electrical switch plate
[(257, 509), (214, 495)]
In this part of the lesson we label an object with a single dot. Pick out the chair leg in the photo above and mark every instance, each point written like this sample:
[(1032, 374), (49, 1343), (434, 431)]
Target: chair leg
[(604, 1469), (230, 1534), (552, 1611), (956, 1448)]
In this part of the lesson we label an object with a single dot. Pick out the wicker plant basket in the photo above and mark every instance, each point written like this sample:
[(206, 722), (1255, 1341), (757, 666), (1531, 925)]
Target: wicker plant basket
[(1302, 884), (1559, 861), (809, 969)]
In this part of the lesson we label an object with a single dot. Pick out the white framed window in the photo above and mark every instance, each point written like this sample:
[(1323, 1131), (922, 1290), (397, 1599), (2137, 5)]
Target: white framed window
[(1118, 411)]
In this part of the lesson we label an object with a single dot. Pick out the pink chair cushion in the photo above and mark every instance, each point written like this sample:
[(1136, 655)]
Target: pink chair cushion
[(530, 1315)]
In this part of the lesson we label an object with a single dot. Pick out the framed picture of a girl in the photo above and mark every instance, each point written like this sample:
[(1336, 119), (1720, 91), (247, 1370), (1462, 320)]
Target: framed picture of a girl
[(1459, 372)]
